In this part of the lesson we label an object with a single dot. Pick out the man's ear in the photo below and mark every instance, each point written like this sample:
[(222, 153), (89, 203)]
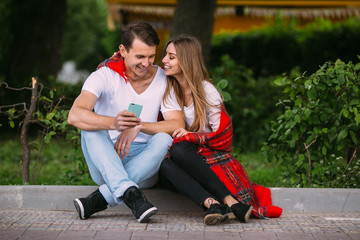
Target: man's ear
[(122, 50)]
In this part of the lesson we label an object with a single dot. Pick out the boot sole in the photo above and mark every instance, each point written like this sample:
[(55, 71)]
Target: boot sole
[(248, 214), (231, 215), (79, 208), (212, 219), (147, 214)]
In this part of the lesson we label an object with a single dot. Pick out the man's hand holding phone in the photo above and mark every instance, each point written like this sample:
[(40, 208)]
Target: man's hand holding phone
[(128, 118)]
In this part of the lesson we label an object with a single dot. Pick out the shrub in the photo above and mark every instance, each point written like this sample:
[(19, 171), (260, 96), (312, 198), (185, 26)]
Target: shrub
[(317, 135), (252, 103), (283, 46)]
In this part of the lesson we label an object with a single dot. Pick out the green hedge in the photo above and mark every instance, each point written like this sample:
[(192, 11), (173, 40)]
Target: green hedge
[(283, 46)]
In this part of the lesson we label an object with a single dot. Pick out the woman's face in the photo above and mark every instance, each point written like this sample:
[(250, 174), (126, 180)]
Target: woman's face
[(171, 62)]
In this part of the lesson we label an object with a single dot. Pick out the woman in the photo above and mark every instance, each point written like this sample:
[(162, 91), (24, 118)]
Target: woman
[(202, 105)]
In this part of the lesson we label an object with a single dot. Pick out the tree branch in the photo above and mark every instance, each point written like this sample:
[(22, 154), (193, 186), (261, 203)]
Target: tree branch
[(308, 153)]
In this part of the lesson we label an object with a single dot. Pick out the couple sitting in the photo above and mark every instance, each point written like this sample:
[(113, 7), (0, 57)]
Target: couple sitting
[(125, 152)]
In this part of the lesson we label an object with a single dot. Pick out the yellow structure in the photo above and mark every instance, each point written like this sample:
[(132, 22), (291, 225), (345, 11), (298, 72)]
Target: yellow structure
[(231, 15)]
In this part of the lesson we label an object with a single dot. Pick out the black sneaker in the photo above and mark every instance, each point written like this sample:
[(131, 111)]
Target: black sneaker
[(241, 211), (93, 203), (215, 214), (137, 202)]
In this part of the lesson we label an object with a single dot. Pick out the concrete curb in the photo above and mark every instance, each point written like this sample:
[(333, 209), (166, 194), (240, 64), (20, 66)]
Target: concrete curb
[(48, 197)]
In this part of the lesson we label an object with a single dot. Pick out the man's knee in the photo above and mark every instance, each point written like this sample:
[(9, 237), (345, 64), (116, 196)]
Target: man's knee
[(163, 139)]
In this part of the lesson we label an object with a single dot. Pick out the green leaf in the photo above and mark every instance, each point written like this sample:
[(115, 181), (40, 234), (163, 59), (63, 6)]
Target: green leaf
[(312, 94), (341, 79), (222, 83), (353, 137), (343, 134), (357, 67), (288, 115), (46, 99), (49, 116), (307, 113), (227, 96), (324, 150), (12, 124), (357, 116)]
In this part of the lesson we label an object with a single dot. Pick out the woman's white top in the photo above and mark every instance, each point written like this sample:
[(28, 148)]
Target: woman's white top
[(212, 114)]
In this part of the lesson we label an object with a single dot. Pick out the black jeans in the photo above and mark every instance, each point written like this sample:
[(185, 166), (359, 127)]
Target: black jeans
[(189, 174)]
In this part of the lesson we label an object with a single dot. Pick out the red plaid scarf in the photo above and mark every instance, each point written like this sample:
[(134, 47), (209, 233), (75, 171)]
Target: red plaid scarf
[(116, 63), (215, 147)]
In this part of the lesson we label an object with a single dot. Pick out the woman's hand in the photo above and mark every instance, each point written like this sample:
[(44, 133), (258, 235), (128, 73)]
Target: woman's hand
[(179, 133)]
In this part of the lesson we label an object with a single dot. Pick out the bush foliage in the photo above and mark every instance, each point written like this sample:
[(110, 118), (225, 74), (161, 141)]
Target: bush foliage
[(317, 135), (283, 46)]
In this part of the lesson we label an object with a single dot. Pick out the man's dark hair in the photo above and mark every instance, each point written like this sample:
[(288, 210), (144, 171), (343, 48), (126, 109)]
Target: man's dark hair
[(141, 30)]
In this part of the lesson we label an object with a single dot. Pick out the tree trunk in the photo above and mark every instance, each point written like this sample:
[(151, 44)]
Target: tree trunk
[(37, 30), (23, 135), (195, 17)]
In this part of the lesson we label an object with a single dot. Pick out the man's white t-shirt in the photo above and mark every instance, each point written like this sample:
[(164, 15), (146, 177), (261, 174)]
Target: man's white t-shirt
[(114, 95)]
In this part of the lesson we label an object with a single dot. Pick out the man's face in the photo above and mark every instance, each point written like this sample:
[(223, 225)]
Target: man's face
[(138, 59)]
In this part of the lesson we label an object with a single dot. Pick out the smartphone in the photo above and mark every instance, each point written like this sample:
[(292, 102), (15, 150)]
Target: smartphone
[(135, 108)]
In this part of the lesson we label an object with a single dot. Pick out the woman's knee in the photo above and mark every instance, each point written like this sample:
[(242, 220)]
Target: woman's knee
[(181, 148)]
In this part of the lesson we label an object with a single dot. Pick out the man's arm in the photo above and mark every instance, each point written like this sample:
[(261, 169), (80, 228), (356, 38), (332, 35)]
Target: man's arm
[(173, 121), (82, 116)]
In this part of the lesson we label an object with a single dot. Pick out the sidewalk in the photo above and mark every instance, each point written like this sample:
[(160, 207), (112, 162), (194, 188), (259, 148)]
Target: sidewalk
[(121, 225), (47, 212)]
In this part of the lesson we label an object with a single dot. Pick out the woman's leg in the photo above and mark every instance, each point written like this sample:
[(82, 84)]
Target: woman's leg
[(185, 155), (183, 182), (189, 187)]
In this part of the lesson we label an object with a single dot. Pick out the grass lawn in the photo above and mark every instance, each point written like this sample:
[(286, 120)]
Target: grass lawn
[(59, 166), (260, 171)]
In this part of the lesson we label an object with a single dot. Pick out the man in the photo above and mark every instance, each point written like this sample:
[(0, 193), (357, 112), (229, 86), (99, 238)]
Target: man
[(124, 153)]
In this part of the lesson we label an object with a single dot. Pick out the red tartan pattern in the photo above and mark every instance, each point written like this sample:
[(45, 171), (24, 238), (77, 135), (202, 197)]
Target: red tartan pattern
[(116, 63)]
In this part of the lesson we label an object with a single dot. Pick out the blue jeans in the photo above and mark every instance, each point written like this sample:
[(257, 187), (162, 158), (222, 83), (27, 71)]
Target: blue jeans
[(115, 175)]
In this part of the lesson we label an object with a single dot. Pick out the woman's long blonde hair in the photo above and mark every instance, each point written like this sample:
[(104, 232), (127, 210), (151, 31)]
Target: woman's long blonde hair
[(191, 62)]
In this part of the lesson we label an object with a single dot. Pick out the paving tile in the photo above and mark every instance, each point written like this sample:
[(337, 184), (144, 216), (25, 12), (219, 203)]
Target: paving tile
[(258, 236), (222, 236), (149, 235), (354, 236), (76, 235), (113, 235), (186, 235), (11, 234), (39, 235), (294, 236), (331, 236)]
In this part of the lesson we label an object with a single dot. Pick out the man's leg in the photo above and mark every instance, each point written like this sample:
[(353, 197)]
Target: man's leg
[(105, 166), (144, 161)]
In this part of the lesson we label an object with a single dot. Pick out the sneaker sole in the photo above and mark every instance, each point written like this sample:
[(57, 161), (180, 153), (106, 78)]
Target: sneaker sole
[(79, 208), (147, 214), (212, 219)]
